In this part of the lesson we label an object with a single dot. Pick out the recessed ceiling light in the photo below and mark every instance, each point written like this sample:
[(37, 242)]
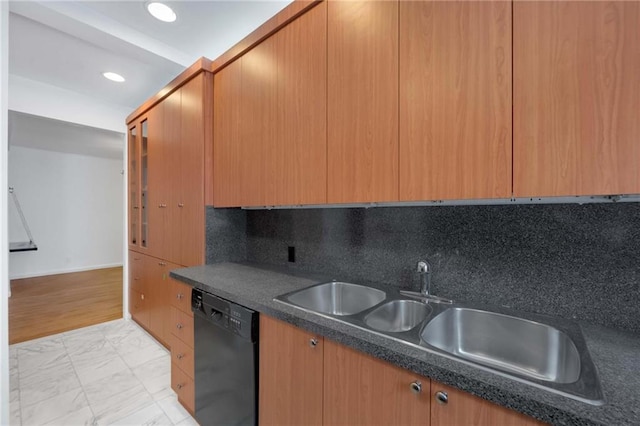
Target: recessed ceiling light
[(161, 11), (113, 76)]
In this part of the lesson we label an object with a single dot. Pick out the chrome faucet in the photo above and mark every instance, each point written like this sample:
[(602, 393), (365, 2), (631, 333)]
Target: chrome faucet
[(424, 269)]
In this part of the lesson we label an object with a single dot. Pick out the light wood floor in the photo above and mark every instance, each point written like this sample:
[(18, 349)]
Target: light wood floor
[(48, 305)]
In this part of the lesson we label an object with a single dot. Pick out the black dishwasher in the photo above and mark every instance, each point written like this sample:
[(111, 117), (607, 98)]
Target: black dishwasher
[(226, 361)]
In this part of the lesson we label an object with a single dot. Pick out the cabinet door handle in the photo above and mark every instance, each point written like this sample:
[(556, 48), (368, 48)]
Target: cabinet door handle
[(180, 204), (162, 264), (136, 207), (179, 386), (416, 387), (136, 278), (180, 356), (442, 397), (179, 326), (142, 296), (162, 206), (313, 342), (179, 296)]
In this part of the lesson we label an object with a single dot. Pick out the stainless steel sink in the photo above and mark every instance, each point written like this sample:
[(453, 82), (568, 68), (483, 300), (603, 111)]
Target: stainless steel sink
[(336, 298), (507, 343), (397, 316)]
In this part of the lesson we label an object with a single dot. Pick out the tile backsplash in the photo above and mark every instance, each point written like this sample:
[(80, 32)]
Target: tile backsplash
[(574, 261)]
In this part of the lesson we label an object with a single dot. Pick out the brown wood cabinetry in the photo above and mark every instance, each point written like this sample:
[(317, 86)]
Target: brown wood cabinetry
[(462, 408), (270, 119), (291, 375), (362, 104), (183, 386), (181, 329), (359, 389), (328, 383), (455, 100), (576, 98), (168, 155), (150, 292)]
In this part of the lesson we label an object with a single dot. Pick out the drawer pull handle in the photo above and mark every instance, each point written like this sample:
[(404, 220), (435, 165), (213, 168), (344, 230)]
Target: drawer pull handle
[(179, 296), (442, 397), (180, 204), (180, 356), (162, 206), (416, 387), (142, 296), (162, 264), (313, 342), (179, 326), (179, 386)]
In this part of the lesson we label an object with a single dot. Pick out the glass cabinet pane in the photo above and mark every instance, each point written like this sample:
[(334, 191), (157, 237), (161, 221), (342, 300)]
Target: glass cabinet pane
[(144, 179), (134, 207)]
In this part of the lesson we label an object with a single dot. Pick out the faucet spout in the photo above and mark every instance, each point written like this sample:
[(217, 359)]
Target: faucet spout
[(424, 269)]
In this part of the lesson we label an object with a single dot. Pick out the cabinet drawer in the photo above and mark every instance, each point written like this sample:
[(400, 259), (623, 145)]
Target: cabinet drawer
[(182, 326), (136, 271), (181, 296), (182, 355), (183, 386)]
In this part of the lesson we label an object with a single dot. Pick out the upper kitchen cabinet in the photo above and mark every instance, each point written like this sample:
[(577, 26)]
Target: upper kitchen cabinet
[(270, 119), (576, 98), (189, 199), (169, 156), (362, 119), (455, 100)]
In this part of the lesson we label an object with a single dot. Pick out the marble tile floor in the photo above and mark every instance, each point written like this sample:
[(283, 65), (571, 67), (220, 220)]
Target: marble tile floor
[(107, 374)]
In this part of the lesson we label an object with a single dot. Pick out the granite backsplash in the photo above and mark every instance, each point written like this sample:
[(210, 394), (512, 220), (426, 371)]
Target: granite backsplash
[(574, 261)]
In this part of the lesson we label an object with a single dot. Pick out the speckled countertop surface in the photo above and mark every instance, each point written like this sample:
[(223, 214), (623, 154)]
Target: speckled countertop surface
[(615, 354)]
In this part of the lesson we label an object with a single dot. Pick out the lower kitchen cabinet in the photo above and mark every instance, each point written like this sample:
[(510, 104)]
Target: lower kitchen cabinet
[(291, 364), (150, 291), (454, 407), (360, 389), (184, 387), (181, 338), (305, 379)]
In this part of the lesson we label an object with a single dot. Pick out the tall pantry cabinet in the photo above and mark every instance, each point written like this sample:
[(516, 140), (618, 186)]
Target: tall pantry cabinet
[(169, 146)]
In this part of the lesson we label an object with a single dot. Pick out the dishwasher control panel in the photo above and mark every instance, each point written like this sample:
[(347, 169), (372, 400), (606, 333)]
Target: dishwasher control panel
[(225, 314)]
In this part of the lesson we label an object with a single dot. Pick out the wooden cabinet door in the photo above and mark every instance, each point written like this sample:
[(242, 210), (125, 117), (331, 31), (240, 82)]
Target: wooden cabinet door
[(228, 152), (190, 202), (171, 175), (156, 203), (138, 307), (296, 158), (576, 98), (462, 408), (362, 126), (455, 100), (290, 375), (362, 390), (258, 104)]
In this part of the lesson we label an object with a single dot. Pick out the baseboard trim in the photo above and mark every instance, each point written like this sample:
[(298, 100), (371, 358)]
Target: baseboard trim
[(64, 271)]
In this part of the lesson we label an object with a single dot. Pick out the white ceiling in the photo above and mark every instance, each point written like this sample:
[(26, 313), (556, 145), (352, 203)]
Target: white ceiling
[(69, 44), (31, 131)]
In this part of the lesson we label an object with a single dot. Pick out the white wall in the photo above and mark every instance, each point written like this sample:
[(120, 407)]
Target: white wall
[(73, 205), (37, 98), (4, 258)]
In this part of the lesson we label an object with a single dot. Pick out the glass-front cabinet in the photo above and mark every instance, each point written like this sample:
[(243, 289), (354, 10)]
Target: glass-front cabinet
[(138, 183)]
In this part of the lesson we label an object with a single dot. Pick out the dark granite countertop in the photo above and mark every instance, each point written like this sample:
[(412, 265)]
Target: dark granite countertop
[(615, 354)]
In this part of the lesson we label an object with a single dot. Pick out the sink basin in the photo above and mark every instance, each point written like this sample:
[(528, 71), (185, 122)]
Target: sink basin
[(397, 316), (521, 347), (336, 298)]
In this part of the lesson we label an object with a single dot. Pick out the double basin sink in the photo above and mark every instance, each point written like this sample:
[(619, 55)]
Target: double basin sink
[(546, 352)]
